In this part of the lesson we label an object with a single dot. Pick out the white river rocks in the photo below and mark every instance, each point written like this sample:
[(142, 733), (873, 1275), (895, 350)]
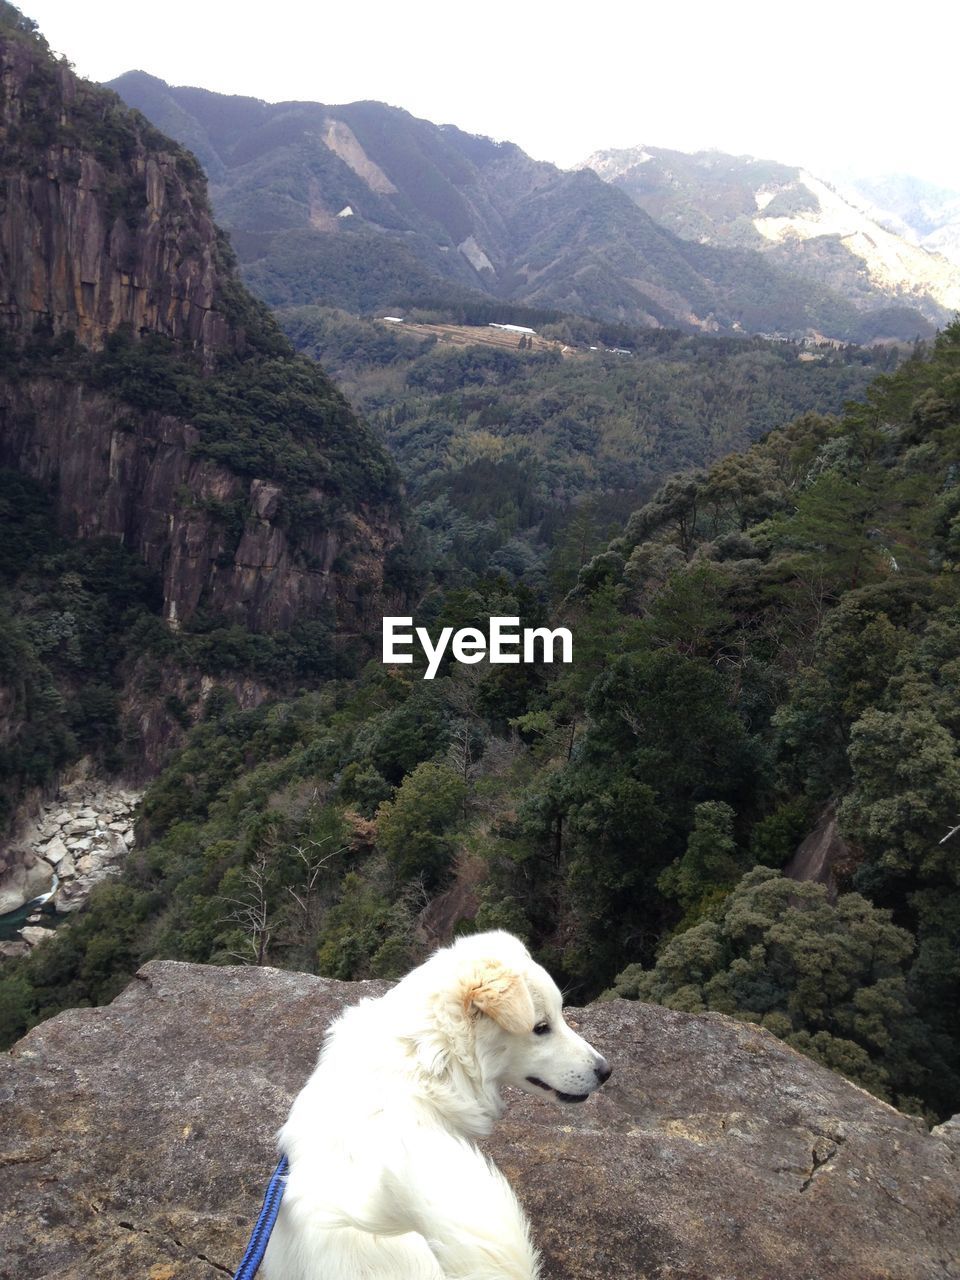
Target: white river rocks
[(79, 838)]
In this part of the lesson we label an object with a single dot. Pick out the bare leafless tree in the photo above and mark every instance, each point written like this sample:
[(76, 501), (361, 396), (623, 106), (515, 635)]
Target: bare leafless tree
[(250, 912), (314, 856)]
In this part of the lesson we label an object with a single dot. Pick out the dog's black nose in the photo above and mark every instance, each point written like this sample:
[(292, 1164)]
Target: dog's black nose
[(603, 1070)]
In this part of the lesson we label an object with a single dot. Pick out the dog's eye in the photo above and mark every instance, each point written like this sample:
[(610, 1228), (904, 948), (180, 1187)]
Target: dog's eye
[(541, 1029)]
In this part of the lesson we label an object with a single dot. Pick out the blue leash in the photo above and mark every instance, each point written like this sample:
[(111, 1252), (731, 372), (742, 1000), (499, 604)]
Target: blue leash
[(260, 1238)]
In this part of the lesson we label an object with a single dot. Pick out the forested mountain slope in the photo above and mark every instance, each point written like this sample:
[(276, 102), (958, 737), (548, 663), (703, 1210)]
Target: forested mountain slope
[(364, 206), (525, 460)]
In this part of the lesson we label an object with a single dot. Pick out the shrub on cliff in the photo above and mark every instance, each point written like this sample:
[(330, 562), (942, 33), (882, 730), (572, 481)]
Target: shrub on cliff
[(277, 417), (412, 827), (829, 979)]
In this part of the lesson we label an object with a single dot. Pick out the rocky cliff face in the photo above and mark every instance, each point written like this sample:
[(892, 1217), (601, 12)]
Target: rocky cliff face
[(138, 1140), (137, 477), (104, 222), (105, 226)]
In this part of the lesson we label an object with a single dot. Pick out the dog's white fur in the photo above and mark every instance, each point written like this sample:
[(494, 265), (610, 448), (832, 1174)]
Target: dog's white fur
[(385, 1179)]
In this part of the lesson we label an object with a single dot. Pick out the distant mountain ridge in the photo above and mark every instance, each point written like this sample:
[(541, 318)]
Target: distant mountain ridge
[(364, 207), (794, 218), (922, 212)]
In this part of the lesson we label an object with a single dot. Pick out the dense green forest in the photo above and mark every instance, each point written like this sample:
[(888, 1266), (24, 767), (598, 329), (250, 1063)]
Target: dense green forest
[(69, 612), (763, 642), (525, 461)]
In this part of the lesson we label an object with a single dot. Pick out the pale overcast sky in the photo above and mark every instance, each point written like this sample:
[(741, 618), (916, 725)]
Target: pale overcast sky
[(829, 85)]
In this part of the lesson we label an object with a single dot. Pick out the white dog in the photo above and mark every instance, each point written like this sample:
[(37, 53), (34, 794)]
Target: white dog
[(384, 1179)]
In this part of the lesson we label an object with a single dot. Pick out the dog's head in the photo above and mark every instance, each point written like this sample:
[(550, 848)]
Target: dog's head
[(520, 1034)]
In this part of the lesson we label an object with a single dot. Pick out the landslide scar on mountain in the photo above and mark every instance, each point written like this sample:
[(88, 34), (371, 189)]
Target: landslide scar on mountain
[(341, 139)]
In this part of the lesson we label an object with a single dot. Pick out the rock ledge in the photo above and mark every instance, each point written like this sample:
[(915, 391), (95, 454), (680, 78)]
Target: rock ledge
[(138, 1138)]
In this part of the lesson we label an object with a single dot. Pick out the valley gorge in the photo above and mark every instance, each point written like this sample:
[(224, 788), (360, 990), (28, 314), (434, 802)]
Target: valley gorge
[(419, 373)]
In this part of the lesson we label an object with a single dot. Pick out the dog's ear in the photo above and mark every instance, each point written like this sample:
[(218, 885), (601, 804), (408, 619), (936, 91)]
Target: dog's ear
[(501, 994)]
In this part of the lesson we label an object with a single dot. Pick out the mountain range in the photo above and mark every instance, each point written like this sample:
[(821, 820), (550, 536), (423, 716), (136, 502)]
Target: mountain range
[(799, 221), (365, 207)]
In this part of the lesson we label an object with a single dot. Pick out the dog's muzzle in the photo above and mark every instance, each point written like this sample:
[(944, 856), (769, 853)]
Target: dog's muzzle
[(602, 1070)]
